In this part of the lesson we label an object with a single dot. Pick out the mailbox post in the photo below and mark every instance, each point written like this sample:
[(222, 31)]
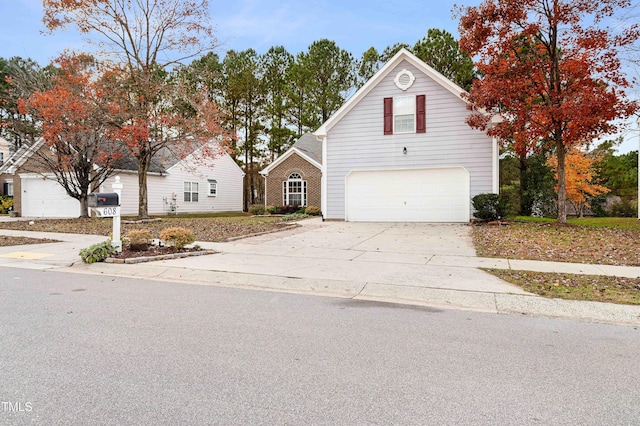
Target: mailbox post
[(107, 204), (117, 242)]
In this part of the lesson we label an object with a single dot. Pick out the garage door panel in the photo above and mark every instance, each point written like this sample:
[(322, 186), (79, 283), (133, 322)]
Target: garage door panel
[(47, 198), (418, 195)]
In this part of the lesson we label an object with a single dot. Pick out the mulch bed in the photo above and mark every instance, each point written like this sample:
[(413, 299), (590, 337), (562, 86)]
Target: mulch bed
[(154, 253), (127, 253)]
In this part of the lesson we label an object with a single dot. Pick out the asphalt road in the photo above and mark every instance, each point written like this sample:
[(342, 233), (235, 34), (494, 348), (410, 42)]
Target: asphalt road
[(80, 349)]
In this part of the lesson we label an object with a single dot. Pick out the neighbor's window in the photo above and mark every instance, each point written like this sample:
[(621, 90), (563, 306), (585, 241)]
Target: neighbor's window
[(213, 187), (404, 114), (191, 192), (9, 189), (294, 191)]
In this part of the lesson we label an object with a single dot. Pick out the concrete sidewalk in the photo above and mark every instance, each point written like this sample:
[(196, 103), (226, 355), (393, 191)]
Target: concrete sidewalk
[(406, 263)]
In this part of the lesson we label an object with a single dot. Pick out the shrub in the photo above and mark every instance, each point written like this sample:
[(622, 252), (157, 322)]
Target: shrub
[(598, 205), (288, 209), (139, 239), (273, 209), (490, 206), (312, 211), (6, 204), (256, 209), (294, 216), (177, 236), (97, 252), (624, 208)]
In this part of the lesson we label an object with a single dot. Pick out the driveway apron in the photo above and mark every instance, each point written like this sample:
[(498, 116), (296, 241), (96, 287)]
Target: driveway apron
[(388, 255)]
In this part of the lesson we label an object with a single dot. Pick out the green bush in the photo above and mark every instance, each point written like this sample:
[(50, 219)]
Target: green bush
[(273, 209), (490, 206), (295, 216), (624, 208), (256, 209), (6, 204), (177, 236), (312, 211), (97, 252), (598, 205)]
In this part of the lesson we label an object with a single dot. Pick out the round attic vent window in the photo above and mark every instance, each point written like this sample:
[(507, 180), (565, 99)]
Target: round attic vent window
[(404, 79)]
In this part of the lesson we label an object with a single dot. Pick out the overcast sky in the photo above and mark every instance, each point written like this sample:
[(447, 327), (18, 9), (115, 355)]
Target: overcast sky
[(355, 25)]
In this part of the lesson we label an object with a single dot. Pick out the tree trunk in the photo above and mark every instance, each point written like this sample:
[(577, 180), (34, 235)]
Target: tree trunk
[(143, 209), (525, 207), (84, 207), (562, 188)]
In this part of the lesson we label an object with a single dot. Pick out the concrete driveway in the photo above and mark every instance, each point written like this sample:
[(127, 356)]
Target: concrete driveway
[(388, 260)]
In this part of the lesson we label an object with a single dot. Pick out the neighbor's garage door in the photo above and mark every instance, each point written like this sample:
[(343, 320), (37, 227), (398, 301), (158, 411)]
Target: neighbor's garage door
[(417, 195), (46, 198)]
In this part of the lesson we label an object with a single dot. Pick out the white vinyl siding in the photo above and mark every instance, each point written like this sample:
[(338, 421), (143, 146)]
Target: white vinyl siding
[(165, 193), (357, 141)]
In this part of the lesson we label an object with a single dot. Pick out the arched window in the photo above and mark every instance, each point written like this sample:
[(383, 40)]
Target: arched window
[(294, 191)]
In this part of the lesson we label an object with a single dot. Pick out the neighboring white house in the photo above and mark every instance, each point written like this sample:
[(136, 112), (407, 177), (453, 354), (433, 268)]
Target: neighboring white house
[(5, 150), (399, 150), (191, 185)]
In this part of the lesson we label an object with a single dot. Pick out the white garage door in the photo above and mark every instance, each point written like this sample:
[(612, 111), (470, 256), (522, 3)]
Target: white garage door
[(416, 195), (46, 198)]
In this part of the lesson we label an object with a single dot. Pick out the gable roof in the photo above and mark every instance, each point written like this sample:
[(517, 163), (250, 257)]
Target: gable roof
[(307, 146), (160, 163), (20, 157), (402, 55)]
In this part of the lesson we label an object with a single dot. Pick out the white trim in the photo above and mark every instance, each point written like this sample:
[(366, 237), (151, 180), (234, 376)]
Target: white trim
[(403, 54), (14, 161), (323, 178), (404, 86), (287, 154), (495, 160)]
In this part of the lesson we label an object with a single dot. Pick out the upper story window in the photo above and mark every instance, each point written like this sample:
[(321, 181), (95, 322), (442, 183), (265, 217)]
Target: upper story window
[(405, 114)]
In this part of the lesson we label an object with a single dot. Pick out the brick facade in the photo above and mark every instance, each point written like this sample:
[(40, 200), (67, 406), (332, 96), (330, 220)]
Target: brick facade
[(293, 164)]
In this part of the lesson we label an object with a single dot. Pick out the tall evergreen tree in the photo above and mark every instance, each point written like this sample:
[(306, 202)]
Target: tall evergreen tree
[(440, 50), (333, 76), (275, 68)]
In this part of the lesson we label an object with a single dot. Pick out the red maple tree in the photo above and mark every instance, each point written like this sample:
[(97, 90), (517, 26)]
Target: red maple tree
[(74, 117), (550, 68)]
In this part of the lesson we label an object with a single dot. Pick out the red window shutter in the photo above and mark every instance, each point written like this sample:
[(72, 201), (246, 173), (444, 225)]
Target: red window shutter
[(388, 116), (421, 114)]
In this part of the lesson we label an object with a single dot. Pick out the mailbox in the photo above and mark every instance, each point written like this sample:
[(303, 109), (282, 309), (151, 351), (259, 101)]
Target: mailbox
[(103, 199)]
